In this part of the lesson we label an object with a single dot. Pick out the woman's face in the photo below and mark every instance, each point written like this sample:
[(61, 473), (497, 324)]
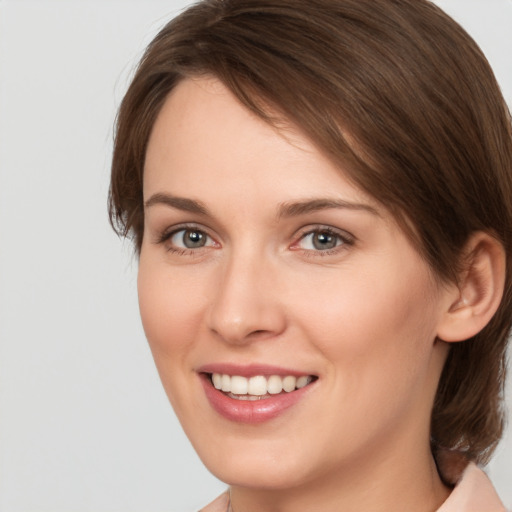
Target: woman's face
[(261, 263)]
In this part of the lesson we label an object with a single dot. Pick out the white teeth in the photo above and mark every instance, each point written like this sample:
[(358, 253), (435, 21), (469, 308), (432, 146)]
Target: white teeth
[(303, 381), (275, 385), (239, 385), (217, 380), (226, 383), (258, 385), (289, 383)]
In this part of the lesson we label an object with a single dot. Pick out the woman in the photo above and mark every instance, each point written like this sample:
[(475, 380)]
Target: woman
[(319, 193)]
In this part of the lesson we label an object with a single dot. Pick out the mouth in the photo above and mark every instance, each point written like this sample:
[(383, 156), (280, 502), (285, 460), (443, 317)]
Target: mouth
[(257, 396), (258, 387)]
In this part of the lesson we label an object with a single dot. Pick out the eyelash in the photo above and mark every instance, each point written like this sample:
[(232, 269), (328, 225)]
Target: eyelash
[(167, 235), (345, 239)]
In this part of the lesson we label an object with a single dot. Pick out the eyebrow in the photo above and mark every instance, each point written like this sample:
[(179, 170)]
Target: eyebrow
[(285, 210), (181, 203), (294, 209)]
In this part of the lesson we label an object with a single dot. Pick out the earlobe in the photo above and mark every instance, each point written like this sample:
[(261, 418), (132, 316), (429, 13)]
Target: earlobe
[(478, 293)]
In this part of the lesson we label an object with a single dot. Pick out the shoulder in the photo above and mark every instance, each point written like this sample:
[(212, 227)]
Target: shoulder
[(473, 493), (218, 505)]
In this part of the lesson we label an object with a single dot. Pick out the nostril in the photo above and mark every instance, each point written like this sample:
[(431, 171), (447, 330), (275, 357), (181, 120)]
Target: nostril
[(260, 333)]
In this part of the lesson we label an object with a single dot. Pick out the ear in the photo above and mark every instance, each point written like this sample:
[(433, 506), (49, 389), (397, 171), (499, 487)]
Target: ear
[(476, 297)]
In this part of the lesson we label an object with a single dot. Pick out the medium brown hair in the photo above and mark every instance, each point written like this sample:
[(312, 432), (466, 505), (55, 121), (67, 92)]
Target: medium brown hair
[(399, 96)]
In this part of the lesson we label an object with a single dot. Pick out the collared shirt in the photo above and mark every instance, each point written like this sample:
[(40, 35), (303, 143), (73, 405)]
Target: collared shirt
[(218, 505), (473, 493)]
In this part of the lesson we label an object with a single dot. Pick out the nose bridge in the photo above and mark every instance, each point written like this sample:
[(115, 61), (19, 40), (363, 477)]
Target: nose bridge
[(245, 305)]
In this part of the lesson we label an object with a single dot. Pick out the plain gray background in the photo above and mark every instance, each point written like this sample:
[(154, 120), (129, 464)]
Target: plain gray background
[(84, 423)]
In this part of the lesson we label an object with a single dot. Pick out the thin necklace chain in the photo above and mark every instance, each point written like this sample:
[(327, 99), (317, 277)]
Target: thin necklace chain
[(229, 508)]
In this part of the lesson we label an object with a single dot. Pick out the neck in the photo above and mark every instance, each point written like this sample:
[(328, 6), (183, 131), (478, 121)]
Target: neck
[(384, 483)]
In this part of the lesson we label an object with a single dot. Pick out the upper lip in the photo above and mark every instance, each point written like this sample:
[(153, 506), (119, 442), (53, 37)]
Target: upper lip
[(250, 370)]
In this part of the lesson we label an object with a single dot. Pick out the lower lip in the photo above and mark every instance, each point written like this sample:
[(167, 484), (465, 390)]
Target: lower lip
[(251, 411)]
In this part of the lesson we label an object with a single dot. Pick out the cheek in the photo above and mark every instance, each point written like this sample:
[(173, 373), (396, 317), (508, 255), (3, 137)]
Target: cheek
[(170, 309), (378, 339), (376, 328)]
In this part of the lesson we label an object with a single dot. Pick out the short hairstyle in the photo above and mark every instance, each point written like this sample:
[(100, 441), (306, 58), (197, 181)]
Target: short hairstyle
[(396, 94)]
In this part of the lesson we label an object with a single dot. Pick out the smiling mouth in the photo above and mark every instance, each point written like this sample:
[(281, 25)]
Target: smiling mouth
[(258, 387)]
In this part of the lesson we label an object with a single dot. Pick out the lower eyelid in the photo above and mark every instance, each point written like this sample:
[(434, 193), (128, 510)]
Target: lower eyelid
[(309, 254)]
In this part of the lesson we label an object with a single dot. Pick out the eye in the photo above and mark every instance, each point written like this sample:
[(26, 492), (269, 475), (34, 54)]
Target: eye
[(190, 239), (323, 239)]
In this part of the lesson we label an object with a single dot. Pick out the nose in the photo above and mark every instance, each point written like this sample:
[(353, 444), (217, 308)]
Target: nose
[(246, 304)]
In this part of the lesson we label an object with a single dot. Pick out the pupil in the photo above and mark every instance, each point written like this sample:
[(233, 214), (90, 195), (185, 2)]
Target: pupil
[(192, 239), (323, 241)]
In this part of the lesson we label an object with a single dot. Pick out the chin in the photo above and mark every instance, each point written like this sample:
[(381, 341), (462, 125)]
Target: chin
[(263, 474), (263, 464)]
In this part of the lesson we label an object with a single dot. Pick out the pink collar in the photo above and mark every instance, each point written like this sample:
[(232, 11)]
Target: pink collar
[(473, 493)]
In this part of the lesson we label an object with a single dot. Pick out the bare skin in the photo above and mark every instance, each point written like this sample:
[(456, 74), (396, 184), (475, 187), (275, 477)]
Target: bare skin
[(296, 268)]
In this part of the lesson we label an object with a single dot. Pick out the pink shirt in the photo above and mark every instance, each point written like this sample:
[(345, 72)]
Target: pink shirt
[(473, 493)]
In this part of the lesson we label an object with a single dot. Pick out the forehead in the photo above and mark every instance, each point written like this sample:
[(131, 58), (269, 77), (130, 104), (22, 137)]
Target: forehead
[(204, 135), (203, 110)]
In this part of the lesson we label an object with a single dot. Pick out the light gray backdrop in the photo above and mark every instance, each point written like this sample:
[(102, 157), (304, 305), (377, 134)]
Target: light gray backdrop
[(84, 423)]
